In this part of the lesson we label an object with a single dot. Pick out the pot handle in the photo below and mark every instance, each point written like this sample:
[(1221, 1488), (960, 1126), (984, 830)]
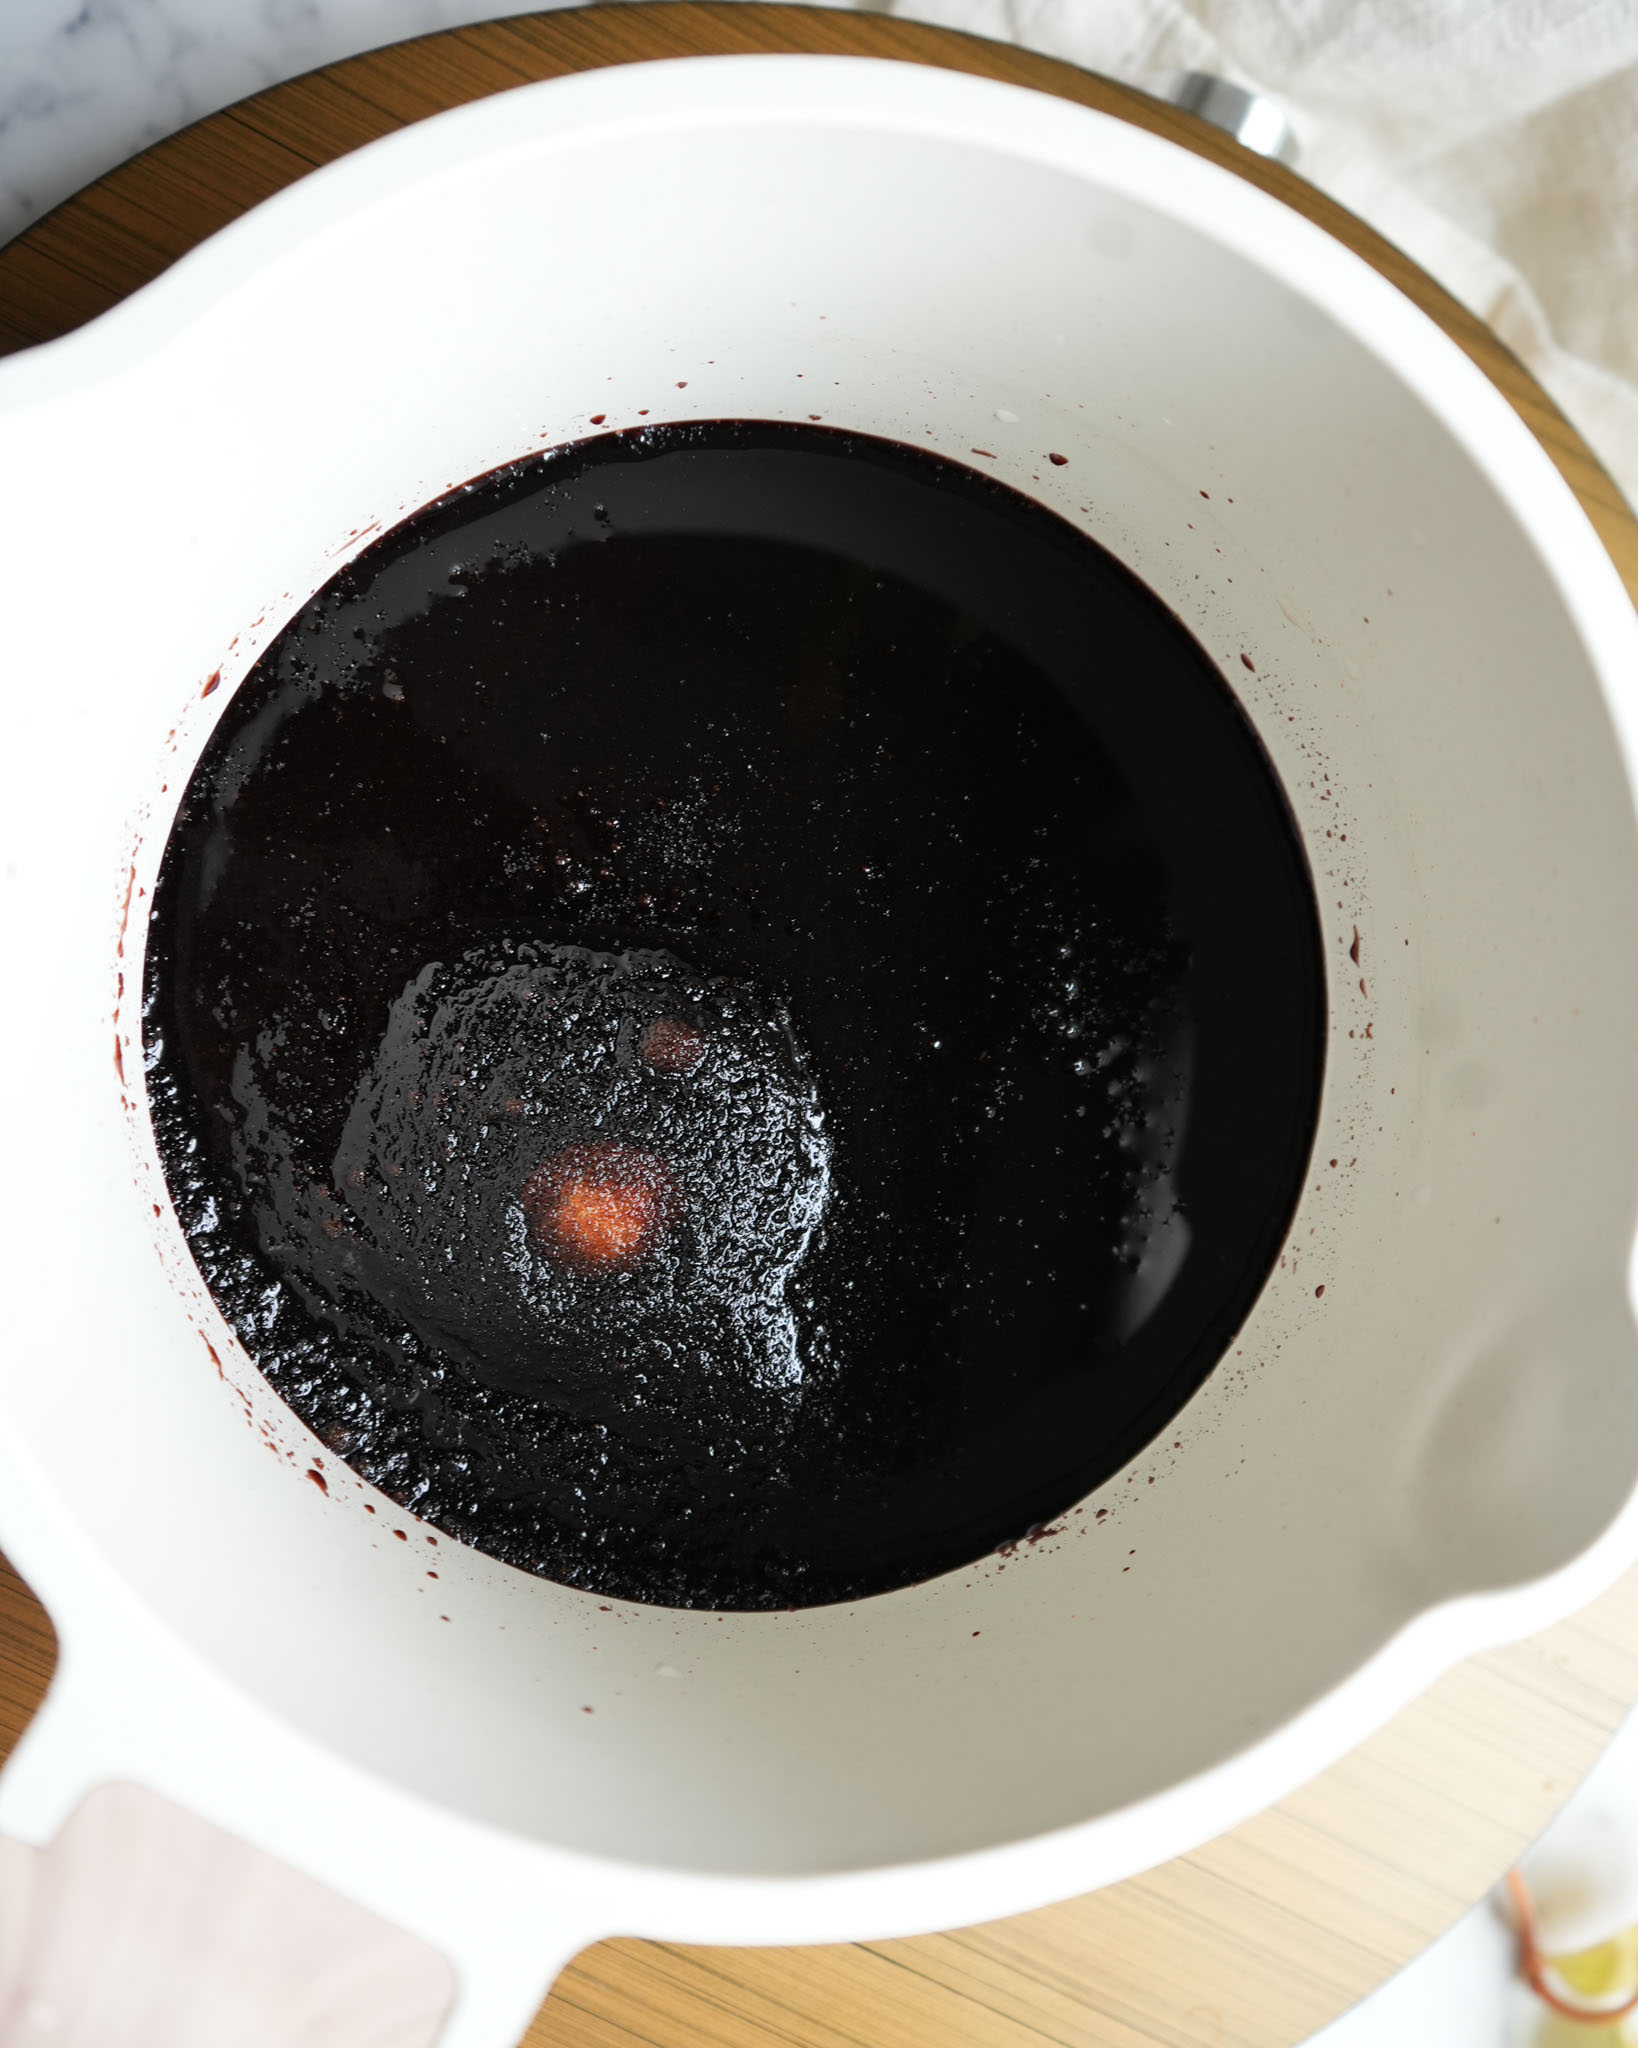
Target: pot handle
[(253, 1827)]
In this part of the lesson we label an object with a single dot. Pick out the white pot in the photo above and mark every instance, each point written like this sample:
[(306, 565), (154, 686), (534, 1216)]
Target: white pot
[(1437, 1453)]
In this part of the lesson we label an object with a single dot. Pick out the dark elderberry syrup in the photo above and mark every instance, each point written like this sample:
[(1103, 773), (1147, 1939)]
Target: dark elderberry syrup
[(734, 1015)]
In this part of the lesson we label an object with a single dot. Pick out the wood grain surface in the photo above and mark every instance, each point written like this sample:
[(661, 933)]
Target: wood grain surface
[(1261, 1937)]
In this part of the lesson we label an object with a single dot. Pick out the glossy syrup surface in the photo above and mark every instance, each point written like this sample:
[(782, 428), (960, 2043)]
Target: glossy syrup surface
[(734, 1015)]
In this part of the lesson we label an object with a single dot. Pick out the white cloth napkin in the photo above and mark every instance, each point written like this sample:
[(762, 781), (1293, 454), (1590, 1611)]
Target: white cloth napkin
[(1496, 141)]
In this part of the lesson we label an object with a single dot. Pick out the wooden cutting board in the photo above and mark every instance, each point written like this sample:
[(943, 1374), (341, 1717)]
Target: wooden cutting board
[(1263, 1936)]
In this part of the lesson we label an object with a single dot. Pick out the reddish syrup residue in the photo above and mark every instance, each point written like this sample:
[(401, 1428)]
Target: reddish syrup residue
[(125, 909)]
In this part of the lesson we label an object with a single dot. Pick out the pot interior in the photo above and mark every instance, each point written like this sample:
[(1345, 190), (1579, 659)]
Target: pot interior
[(1433, 1394)]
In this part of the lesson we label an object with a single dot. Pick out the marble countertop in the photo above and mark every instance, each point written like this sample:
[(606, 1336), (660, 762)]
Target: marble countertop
[(84, 84)]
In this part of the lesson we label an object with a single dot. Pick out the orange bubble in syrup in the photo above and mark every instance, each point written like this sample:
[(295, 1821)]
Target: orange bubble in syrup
[(600, 1208), (672, 1046)]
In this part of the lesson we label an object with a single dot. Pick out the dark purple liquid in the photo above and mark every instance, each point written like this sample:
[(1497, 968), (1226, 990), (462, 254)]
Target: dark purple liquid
[(734, 1015)]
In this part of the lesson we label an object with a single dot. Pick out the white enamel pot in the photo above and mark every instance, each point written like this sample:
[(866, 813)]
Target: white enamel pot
[(1436, 1452)]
